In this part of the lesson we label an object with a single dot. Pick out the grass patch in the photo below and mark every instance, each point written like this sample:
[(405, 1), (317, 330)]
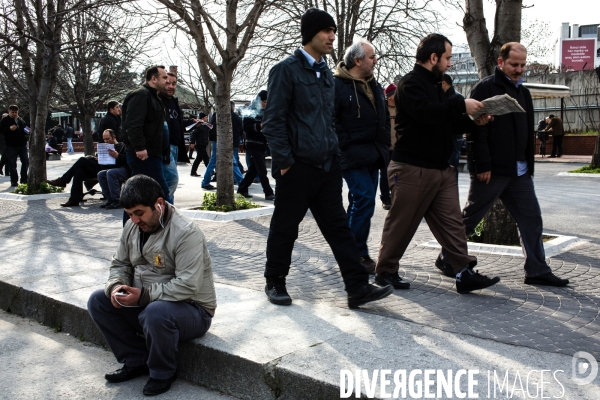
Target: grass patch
[(586, 170), (209, 203), (44, 188), (589, 133), (477, 235)]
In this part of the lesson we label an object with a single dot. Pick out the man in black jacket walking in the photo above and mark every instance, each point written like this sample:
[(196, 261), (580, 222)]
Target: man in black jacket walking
[(112, 120), (362, 125), (145, 130), (422, 182), (300, 129), (503, 156), (15, 137), (199, 141)]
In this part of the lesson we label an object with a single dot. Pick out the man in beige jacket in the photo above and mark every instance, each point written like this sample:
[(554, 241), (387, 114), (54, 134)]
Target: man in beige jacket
[(160, 289)]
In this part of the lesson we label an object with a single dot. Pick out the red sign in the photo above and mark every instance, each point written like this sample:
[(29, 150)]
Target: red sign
[(577, 53)]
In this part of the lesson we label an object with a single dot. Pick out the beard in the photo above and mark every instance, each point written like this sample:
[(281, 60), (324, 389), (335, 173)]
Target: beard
[(437, 71)]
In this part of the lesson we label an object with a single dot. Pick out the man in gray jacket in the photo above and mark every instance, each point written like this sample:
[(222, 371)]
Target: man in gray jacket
[(160, 289), (300, 129)]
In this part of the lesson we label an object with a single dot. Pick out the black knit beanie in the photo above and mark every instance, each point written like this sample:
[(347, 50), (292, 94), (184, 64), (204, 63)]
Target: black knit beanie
[(262, 95), (314, 21)]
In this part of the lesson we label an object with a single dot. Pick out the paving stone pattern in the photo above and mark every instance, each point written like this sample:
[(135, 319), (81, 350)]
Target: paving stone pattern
[(563, 320)]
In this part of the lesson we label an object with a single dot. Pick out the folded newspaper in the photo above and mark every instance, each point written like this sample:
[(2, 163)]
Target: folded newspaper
[(498, 105)]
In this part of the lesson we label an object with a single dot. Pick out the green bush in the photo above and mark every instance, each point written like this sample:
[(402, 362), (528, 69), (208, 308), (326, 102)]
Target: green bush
[(209, 203), (43, 189), (588, 169), (477, 235)]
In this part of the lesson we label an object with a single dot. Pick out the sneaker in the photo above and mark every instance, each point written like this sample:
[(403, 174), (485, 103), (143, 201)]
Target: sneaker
[(444, 267), (270, 197), (368, 263), (386, 206), (245, 194), (395, 280), (472, 280), (208, 187), (57, 182), (367, 294), (157, 386), (548, 279), (276, 291), (126, 373)]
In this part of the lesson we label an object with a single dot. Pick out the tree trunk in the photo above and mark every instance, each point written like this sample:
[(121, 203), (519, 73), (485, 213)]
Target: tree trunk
[(225, 194), (37, 148), (478, 38), (596, 156), (499, 227), (88, 141)]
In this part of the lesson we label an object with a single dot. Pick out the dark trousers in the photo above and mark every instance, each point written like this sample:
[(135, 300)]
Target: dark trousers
[(305, 187), (201, 155), (518, 196), (557, 146), (11, 159), (3, 161), (416, 193), (84, 168), (257, 167), (384, 186), (152, 167), (191, 152), (148, 335)]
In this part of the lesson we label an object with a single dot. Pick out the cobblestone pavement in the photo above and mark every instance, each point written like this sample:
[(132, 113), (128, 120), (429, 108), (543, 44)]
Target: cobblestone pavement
[(563, 320)]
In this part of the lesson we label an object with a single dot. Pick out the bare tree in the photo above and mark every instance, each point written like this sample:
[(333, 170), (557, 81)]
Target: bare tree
[(32, 33), (218, 24), (96, 62)]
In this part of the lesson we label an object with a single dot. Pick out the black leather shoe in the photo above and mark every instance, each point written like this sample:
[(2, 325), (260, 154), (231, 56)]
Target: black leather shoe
[(473, 280), (114, 205), (158, 386), (367, 294), (194, 174), (245, 194), (208, 187), (70, 203), (276, 291), (126, 373), (386, 206), (57, 182), (103, 205), (548, 279), (368, 263), (445, 267), (270, 197), (385, 278)]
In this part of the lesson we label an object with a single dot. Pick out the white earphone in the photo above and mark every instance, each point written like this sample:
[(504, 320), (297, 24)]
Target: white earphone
[(159, 207)]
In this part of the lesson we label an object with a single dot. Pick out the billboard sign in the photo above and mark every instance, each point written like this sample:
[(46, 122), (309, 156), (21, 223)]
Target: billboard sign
[(577, 53)]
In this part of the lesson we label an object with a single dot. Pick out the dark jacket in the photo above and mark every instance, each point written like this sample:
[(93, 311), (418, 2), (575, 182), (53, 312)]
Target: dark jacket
[(109, 121), (69, 132), (143, 121), (254, 136), (58, 134), (122, 158), (426, 120), (16, 138), (182, 154), (199, 134), (555, 127), (363, 131), (236, 126), (298, 121), (494, 145)]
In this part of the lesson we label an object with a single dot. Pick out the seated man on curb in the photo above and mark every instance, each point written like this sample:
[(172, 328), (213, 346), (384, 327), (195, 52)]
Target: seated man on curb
[(85, 168), (162, 271), (110, 180)]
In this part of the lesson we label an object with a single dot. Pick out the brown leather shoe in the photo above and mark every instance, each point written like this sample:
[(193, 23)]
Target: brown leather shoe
[(70, 203), (57, 182)]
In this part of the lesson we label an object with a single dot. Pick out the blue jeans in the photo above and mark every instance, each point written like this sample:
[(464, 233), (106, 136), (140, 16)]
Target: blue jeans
[(152, 167), (212, 164), (110, 181), (171, 175), (238, 164), (70, 145), (362, 186)]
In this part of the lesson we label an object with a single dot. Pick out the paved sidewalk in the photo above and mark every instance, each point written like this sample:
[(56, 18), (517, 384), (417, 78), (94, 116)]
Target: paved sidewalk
[(63, 254)]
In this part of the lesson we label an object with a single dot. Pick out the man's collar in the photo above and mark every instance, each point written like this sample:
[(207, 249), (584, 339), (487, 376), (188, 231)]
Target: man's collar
[(427, 73), (311, 60), (516, 84)]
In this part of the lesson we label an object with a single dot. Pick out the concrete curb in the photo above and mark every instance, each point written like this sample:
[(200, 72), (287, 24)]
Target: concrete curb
[(579, 174), (218, 216), (31, 197), (552, 247), (226, 372)]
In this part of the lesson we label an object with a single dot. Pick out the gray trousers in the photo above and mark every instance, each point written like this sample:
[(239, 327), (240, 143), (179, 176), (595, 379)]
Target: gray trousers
[(518, 196), (148, 335)]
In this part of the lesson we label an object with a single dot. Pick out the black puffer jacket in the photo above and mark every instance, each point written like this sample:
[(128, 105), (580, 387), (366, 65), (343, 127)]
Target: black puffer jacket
[(494, 145), (363, 133), (143, 122), (298, 121)]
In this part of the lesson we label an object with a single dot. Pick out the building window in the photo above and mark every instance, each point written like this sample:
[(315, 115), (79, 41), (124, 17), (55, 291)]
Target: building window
[(588, 31)]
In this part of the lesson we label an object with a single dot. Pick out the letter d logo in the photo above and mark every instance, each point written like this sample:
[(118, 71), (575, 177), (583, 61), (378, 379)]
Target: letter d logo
[(583, 363)]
